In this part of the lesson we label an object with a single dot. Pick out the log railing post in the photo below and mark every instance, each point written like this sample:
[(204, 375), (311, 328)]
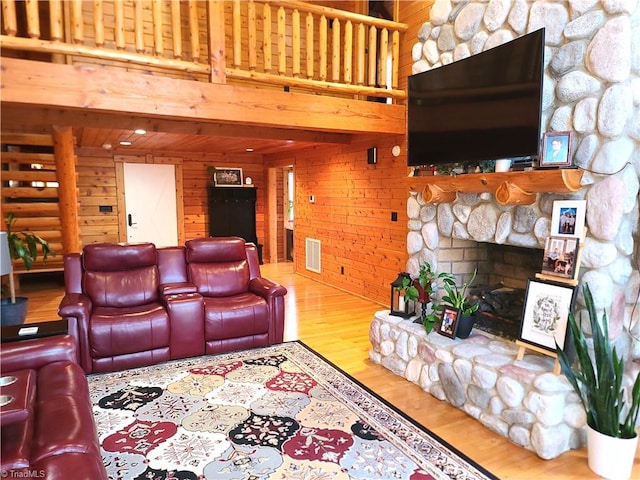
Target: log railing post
[(118, 11), (253, 35), (176, 30), (282, 41), (373, 42), (322, 45), (266, 37), (9, 22), (335, 51), (33, 19), (98, 23), (295, 43), (215, 28), (237, 34), (55, 20), (156, 15), (348, 52), (310, 47), (63, 151), (138, 25), (194, 31)]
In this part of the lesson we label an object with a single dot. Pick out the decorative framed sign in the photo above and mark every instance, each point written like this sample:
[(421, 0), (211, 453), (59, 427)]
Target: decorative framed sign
[(546, 313), (567, 218), (449, 322), (556, 150), (560, 256), (227, 177)]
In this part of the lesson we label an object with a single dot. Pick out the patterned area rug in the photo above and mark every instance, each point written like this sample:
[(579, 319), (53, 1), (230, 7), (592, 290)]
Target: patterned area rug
[(281, 412)]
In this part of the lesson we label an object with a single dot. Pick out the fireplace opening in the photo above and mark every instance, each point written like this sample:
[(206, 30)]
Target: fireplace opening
[(506, 271)]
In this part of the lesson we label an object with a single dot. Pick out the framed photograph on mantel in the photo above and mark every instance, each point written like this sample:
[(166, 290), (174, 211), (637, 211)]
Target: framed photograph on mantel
[(449, 323), (546, 313), (567, 218), (556, 150), (227, 177), (560, 257)]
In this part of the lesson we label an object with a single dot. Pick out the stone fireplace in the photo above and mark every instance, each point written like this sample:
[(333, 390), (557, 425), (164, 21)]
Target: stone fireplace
[(591, 88)]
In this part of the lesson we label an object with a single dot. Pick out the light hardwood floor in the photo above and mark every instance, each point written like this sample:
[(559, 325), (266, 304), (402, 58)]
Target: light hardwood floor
[(336, 325)]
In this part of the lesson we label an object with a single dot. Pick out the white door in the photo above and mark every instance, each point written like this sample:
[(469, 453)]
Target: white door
[(150, 199)]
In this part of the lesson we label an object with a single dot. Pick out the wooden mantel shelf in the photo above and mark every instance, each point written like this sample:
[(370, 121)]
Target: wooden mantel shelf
[(510, 188)]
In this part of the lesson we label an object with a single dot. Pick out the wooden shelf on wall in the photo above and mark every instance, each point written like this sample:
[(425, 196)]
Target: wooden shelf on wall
[(510, 188)]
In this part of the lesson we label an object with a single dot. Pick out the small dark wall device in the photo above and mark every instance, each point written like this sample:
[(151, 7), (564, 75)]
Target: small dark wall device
[(372, 156)]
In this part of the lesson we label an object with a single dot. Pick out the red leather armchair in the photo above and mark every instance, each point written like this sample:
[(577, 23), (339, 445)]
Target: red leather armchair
[(115, 306), (48, 430), (241, 308)]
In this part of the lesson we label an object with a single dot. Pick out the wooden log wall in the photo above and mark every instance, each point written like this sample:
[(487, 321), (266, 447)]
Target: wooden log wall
[(31, 193), (351, 215), (97, 186)]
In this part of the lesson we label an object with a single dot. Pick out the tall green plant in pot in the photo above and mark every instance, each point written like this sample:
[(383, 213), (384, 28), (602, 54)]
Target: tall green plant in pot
[(22, 246), (597, 378)]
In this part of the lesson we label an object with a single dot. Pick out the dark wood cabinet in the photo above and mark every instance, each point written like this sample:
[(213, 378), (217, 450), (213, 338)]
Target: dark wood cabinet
[(232, 212)]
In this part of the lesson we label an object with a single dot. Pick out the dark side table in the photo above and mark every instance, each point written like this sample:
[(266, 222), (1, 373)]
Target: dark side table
[(14, 333)]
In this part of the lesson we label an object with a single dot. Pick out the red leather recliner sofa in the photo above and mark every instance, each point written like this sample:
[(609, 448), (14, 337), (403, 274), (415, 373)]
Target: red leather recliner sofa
[(132, 305), (48, 429)]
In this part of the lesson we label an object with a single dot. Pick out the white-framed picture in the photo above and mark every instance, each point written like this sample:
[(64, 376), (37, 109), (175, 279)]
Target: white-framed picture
[(546, 313), (227, 177), (567, 218)]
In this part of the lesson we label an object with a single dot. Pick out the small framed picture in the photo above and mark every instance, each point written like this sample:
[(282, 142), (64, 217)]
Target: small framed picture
[(449, 322), (227, 177), (567, 218), (556, 150), (560, 256), (546, 313)]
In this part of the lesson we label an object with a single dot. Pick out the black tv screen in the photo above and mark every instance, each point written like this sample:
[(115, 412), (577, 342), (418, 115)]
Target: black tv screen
[(484, 107)]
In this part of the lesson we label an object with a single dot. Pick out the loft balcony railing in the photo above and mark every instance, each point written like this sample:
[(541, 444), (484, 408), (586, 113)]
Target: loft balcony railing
[(281, 43)]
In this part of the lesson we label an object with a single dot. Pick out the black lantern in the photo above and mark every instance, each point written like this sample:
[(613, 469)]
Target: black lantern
[(400, 306)]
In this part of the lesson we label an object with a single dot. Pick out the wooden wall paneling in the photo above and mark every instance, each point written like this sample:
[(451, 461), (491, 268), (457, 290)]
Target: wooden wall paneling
[(351, 215)]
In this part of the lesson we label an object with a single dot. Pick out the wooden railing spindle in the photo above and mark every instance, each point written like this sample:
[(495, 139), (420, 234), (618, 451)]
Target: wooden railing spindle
[(138, 25), (335, 51), (266, 37), (194, 36), (158, 41), (282, 41), (33, 19), (252, 32), (77, 23), (98, 22), (310, 49), (373, 41), (348, 52), (360, 57), (118, 33), (322, 46), (395, 58), (55, 20), (295, 44), (176, 30), (9, 22), (382, 60), (237, 34)]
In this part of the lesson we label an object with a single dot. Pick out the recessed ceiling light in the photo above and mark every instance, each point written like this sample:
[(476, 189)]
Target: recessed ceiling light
[(140, 131), (125, 143), (248, 150)]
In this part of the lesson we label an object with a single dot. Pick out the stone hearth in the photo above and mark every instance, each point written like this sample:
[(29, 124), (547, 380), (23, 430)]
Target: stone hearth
[(523, 401)]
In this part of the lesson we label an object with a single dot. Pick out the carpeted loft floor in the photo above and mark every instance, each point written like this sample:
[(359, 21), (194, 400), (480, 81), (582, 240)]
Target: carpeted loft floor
[(278, 412)]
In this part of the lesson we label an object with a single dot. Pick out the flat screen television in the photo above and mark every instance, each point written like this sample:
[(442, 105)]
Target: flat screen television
[(484, 107)]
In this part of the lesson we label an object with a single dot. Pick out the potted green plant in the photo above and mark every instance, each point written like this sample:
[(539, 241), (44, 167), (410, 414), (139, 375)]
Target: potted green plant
[(597, 378), (457, 298), (421, 290), (20, 246)]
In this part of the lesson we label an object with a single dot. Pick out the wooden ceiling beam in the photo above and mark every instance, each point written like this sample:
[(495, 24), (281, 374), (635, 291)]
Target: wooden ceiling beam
[(102, 90), (28, 117)]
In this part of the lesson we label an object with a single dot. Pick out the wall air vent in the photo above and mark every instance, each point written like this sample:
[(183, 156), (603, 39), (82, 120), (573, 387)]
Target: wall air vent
[(312, 250)]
